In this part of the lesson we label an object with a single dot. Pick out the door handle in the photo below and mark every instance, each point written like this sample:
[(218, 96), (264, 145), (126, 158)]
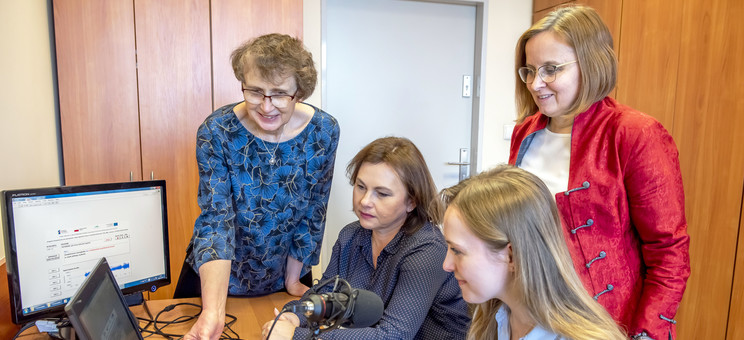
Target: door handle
[(464, 164)]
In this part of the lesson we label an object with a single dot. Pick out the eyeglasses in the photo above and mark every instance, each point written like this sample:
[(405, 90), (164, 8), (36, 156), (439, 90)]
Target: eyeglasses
[(279, 101), (547, 73)]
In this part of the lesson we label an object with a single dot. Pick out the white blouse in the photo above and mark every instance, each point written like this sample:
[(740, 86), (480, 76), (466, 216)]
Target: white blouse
[(537, 333), (548, 158)]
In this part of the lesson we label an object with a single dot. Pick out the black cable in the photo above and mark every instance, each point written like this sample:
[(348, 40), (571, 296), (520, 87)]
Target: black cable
[(63, 322), (228, 327), (276, 318), (339, 317), (159, 325), (149, 321)]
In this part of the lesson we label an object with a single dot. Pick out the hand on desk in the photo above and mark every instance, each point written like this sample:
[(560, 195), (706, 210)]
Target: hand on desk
[(284, 328), (296, 288), (292, 277), (208, 327)]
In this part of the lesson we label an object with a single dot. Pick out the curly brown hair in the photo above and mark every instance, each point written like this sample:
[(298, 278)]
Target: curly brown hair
[(275, 57)]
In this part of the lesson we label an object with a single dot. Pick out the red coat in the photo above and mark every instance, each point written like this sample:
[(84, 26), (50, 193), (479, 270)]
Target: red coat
[(624, 215)]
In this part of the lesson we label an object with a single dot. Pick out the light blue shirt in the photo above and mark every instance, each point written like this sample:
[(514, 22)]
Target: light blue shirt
[(537, 333)]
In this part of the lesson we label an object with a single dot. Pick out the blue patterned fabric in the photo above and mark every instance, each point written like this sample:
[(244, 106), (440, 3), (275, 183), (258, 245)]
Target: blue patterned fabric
[(254, 213), (421, 300)]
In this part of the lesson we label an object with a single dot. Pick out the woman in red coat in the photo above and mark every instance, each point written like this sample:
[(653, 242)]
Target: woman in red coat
[(614, 171)]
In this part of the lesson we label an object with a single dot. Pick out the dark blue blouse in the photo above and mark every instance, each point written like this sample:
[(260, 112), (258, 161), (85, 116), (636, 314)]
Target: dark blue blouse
[(255, 213), (421, 300)]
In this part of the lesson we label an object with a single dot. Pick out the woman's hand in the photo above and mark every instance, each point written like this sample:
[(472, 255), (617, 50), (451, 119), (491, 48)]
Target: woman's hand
[(207, 327), (284, 328), (295, 288)]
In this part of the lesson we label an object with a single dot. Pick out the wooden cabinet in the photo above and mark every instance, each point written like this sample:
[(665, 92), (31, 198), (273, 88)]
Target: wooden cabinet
[(231, 27), (648, 58), (707, 125), (136, 79), (175, 95), (682, 65), (97, 79)]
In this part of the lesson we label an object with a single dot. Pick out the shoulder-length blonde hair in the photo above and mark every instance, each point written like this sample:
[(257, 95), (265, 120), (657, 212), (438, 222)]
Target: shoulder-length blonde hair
[(508, 205), (409, 164), (583, 29)]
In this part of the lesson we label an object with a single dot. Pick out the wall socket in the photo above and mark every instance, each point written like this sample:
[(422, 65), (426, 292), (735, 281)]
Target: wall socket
[(508, 129)]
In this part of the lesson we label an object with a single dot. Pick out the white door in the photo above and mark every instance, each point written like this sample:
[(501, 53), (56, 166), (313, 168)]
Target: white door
[(396, 68)]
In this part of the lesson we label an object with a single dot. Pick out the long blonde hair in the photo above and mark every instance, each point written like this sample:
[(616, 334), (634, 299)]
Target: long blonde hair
[(583, 29), (508, 205)]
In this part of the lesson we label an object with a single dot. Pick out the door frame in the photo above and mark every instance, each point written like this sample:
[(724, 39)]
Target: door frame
[(479, 66)]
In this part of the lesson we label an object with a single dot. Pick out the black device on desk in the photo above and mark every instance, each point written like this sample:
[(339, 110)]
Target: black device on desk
[(98, 310), (55, 236)]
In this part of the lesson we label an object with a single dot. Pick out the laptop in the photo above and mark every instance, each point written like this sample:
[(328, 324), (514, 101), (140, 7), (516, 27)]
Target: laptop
[(98, 310)]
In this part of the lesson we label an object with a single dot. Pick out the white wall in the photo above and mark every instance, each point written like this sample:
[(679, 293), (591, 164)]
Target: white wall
[(28, 125), (312, 37), (311, 30), (507, 20)]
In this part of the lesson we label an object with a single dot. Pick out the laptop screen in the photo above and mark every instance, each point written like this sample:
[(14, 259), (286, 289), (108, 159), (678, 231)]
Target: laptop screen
[(98, 310)]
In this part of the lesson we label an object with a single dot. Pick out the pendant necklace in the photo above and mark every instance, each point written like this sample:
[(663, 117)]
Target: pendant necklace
[(272, 161)]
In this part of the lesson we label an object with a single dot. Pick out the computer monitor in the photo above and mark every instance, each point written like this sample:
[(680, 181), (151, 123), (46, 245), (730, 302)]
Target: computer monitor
[(55, 236)]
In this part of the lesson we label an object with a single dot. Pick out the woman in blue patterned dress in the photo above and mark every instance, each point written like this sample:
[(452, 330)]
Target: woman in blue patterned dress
[(265, 169)]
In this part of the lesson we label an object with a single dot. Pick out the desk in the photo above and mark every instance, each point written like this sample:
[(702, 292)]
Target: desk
[(252, 313)]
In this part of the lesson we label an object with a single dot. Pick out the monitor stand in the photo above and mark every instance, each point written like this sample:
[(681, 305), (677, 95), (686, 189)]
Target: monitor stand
[(134, 299), (67, 333)]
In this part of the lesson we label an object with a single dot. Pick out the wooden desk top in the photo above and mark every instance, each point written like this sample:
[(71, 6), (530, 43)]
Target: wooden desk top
[(252, 313)]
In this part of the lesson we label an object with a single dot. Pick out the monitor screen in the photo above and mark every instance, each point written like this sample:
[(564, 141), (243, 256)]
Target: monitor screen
[(55, 236)]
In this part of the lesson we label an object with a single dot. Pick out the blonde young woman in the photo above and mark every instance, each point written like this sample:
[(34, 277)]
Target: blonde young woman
[(509, 257)]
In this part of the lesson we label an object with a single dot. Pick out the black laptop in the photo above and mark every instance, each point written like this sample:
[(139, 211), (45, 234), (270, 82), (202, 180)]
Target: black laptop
[(98, 310)]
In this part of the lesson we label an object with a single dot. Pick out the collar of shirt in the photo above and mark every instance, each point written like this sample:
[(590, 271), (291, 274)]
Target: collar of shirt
[(537, 333), (364, 244)]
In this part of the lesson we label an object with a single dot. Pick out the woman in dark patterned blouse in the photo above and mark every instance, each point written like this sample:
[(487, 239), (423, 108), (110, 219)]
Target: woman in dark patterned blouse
[(265, 169), (395, 250)]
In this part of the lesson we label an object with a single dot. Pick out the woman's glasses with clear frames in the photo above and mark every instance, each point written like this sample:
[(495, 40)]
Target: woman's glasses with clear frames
[(279, 101), (547, 73)]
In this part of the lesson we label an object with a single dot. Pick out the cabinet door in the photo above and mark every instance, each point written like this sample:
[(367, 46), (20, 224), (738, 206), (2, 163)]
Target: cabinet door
[(707, 128), (648, 58), (97, 79), (236, 21), (175, 93)]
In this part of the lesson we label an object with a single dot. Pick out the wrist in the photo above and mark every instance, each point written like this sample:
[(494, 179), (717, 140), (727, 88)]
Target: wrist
[(213, 312)]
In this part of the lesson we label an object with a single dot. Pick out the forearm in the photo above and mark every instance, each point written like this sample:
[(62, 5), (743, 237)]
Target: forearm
[(214, 276), (293, 270), (292, 277)]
